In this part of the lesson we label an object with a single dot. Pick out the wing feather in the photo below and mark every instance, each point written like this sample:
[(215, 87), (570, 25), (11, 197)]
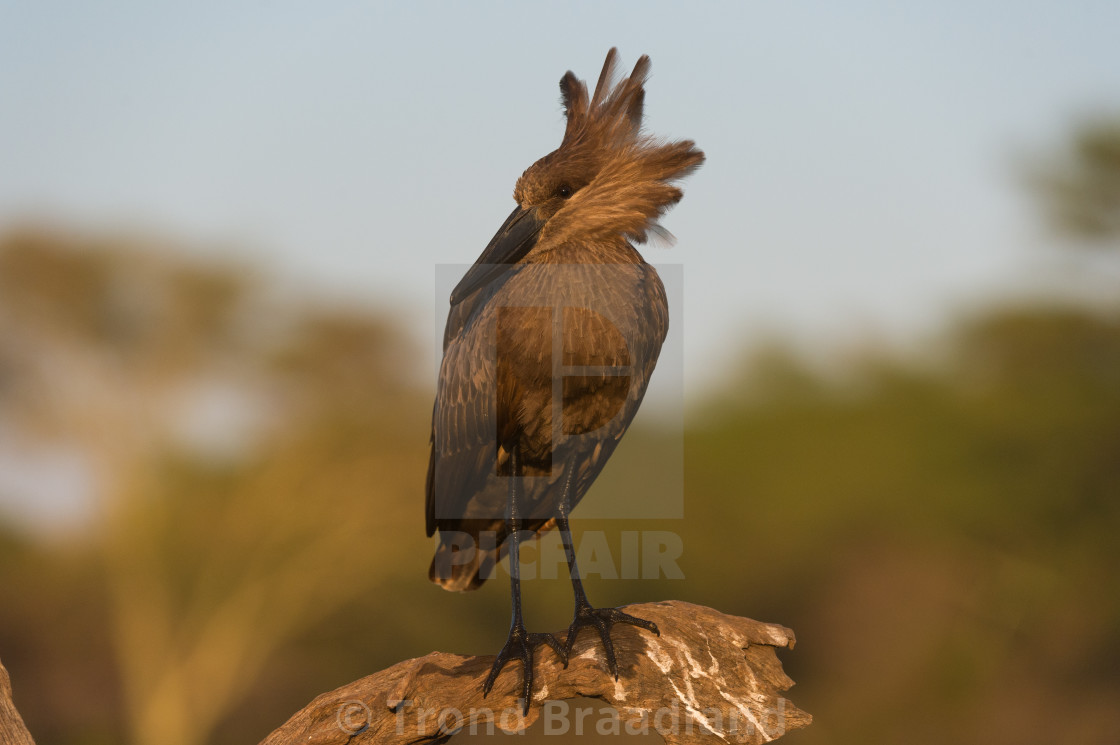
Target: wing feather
[(463, 448)]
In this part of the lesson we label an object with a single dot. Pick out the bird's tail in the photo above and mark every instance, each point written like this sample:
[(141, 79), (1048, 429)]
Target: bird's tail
[(458, 567)]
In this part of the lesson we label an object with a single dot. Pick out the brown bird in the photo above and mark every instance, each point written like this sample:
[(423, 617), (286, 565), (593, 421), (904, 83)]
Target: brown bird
[(550, 342)]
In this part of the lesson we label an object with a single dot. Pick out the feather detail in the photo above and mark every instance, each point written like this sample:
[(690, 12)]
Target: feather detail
[(623, 180)]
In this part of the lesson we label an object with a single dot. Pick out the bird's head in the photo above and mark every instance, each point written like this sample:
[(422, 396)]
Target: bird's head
[(607, 182)]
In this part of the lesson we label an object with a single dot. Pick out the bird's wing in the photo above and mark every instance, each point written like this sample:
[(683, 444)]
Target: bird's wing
[(463, 442), (604, 404)]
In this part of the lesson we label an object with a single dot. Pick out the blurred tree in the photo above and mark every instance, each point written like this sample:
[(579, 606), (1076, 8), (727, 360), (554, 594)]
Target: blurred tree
[(248, 458), (1081, 188), (941, 536)]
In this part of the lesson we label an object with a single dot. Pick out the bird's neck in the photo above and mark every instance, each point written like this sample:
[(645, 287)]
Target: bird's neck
[(612, 252)]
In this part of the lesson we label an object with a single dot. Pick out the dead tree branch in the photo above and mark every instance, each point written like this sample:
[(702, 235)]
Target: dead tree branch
[(709, 678), (12, 729)]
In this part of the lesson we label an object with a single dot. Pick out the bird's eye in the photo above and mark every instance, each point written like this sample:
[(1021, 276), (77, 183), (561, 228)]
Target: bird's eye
[(564, 191)]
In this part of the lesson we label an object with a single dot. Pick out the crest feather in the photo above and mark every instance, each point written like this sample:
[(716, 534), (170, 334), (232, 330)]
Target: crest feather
[(630, 179), (615, 109), (573, 94), (606, 77)]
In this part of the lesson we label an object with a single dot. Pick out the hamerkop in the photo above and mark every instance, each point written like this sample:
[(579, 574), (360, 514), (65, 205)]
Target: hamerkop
[(550, 342)]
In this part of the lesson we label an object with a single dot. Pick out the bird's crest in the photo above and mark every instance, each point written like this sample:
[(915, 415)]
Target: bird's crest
[(615, 112), (624, 179)]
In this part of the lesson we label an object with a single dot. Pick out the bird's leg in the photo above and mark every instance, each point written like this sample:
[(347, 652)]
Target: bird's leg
[(520, 643), (585, 615)]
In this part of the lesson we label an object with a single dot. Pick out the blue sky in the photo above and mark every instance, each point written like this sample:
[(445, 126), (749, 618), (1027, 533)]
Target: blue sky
[(862, 157)]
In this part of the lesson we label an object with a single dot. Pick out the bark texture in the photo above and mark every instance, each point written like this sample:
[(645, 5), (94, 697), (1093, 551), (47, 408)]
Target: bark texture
[(709, 678), (12, 729)]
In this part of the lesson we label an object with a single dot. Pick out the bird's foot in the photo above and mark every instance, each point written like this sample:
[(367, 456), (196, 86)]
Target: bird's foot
[(603, 619), (520, 645)]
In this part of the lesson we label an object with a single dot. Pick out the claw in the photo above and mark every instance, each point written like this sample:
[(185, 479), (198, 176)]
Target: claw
[(602, 619), (520, 645)]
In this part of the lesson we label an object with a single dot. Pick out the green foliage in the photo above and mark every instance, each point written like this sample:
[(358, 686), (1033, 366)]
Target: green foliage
[(928, 531)]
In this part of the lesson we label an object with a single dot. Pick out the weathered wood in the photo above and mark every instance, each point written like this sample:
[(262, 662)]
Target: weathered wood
[(12, 729), (709, 678)]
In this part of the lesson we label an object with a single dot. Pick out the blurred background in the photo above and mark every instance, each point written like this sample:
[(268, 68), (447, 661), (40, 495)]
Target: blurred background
[(220, 227)]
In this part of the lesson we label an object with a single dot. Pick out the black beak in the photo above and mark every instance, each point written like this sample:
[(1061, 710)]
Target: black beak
[(513, 240)]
